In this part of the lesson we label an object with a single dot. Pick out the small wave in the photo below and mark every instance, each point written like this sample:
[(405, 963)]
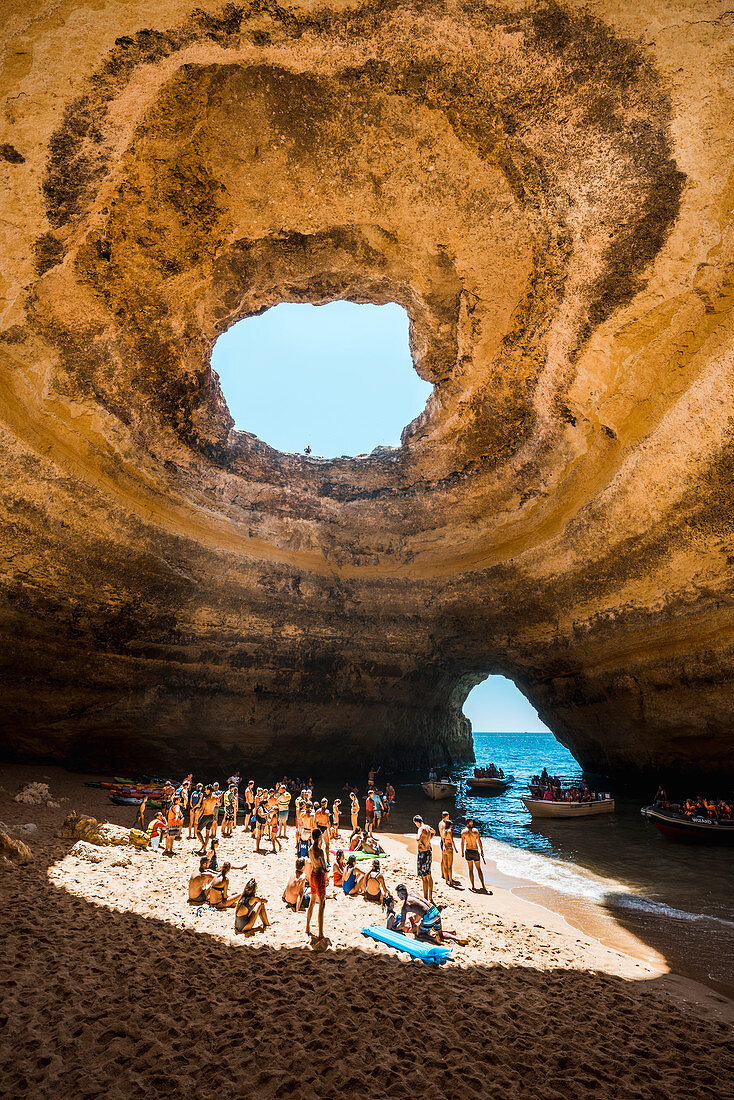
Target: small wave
[(545, 871), (660, 909)]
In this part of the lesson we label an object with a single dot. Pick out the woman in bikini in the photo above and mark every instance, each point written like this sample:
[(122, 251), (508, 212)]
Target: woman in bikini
[(335, 815), (373, 886), (354, 810), (216, 894), (319, 881), (249, 909)]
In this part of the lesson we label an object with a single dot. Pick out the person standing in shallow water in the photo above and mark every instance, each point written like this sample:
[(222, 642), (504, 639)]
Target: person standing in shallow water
[(425, 855), (319, 880)]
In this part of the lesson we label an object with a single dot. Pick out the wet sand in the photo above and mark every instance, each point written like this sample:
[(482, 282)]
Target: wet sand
[(113, 985)]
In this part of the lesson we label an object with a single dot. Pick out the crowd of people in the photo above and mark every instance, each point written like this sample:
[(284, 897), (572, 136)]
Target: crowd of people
[(490, 772), (324, 859), (711, 809), (550, 788)]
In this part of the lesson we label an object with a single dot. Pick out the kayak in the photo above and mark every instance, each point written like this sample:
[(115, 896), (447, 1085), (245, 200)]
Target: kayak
[(120, 800)]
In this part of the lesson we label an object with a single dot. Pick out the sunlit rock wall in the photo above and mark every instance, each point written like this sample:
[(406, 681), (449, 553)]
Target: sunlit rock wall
[(548, 190)]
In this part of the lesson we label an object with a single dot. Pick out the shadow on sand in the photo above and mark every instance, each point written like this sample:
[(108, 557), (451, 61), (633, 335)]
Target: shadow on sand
[(99, 1002)]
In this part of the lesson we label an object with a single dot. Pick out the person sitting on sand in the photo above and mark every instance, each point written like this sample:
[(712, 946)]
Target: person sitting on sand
[(448, 848), (216, 894), (371, 846), (200, 882), (422, 918), (339, 867), (295, 895), (355, 840), (425, 856), (319, 882), (373, 884), (393, 918), (472, 850), (352, 881), (250, 908)]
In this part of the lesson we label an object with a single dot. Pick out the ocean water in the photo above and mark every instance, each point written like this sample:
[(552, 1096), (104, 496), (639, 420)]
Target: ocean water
[(677, 898)]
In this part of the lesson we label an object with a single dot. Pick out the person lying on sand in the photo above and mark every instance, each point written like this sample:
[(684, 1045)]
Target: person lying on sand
[(200, 882), (216, 893), (249, 909), (296, 895), (421, 918), (374, 887)]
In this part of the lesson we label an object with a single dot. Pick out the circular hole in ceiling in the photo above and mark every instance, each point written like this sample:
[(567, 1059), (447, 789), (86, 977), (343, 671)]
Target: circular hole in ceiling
[(338, 378)]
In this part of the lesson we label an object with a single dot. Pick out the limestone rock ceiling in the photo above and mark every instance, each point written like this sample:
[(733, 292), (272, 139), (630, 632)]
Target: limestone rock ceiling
[(547, 190)]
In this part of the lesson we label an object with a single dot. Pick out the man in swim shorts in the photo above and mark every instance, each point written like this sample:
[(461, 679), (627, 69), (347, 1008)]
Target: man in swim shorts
[(425, 855), (471, 850), (295, 895), (426, 919), (209, 804), (284, 804)]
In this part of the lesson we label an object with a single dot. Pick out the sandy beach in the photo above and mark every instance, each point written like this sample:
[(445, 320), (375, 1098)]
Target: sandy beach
[(114, 985)]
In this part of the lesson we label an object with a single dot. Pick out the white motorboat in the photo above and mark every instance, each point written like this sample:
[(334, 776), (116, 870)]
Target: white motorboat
[(438, 788), (545, 807)]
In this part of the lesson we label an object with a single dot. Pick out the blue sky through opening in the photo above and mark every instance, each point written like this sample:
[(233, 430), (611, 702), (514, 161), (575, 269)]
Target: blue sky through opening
[(339, 377), (498, 706)]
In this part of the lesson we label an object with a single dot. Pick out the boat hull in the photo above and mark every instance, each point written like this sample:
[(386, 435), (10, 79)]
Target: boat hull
[(489, 786), (689, 830), (543, 808), (438, 791)]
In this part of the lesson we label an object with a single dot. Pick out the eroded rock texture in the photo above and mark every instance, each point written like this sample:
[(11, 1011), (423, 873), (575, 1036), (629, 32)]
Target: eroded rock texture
[(547, 190)]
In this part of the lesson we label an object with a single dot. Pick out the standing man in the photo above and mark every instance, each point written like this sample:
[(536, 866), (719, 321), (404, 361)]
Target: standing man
[(369, 806), (425, 855), (173, 829), (209, 803), (249, 802), (472, 850), (378, 808), (215, 815), (371, 776)]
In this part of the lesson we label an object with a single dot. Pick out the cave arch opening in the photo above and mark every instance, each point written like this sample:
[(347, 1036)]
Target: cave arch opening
[(496, 705), (337, 378)]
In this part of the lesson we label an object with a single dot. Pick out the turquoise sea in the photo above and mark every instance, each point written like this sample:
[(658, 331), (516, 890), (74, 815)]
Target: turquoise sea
[(677, 898)]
